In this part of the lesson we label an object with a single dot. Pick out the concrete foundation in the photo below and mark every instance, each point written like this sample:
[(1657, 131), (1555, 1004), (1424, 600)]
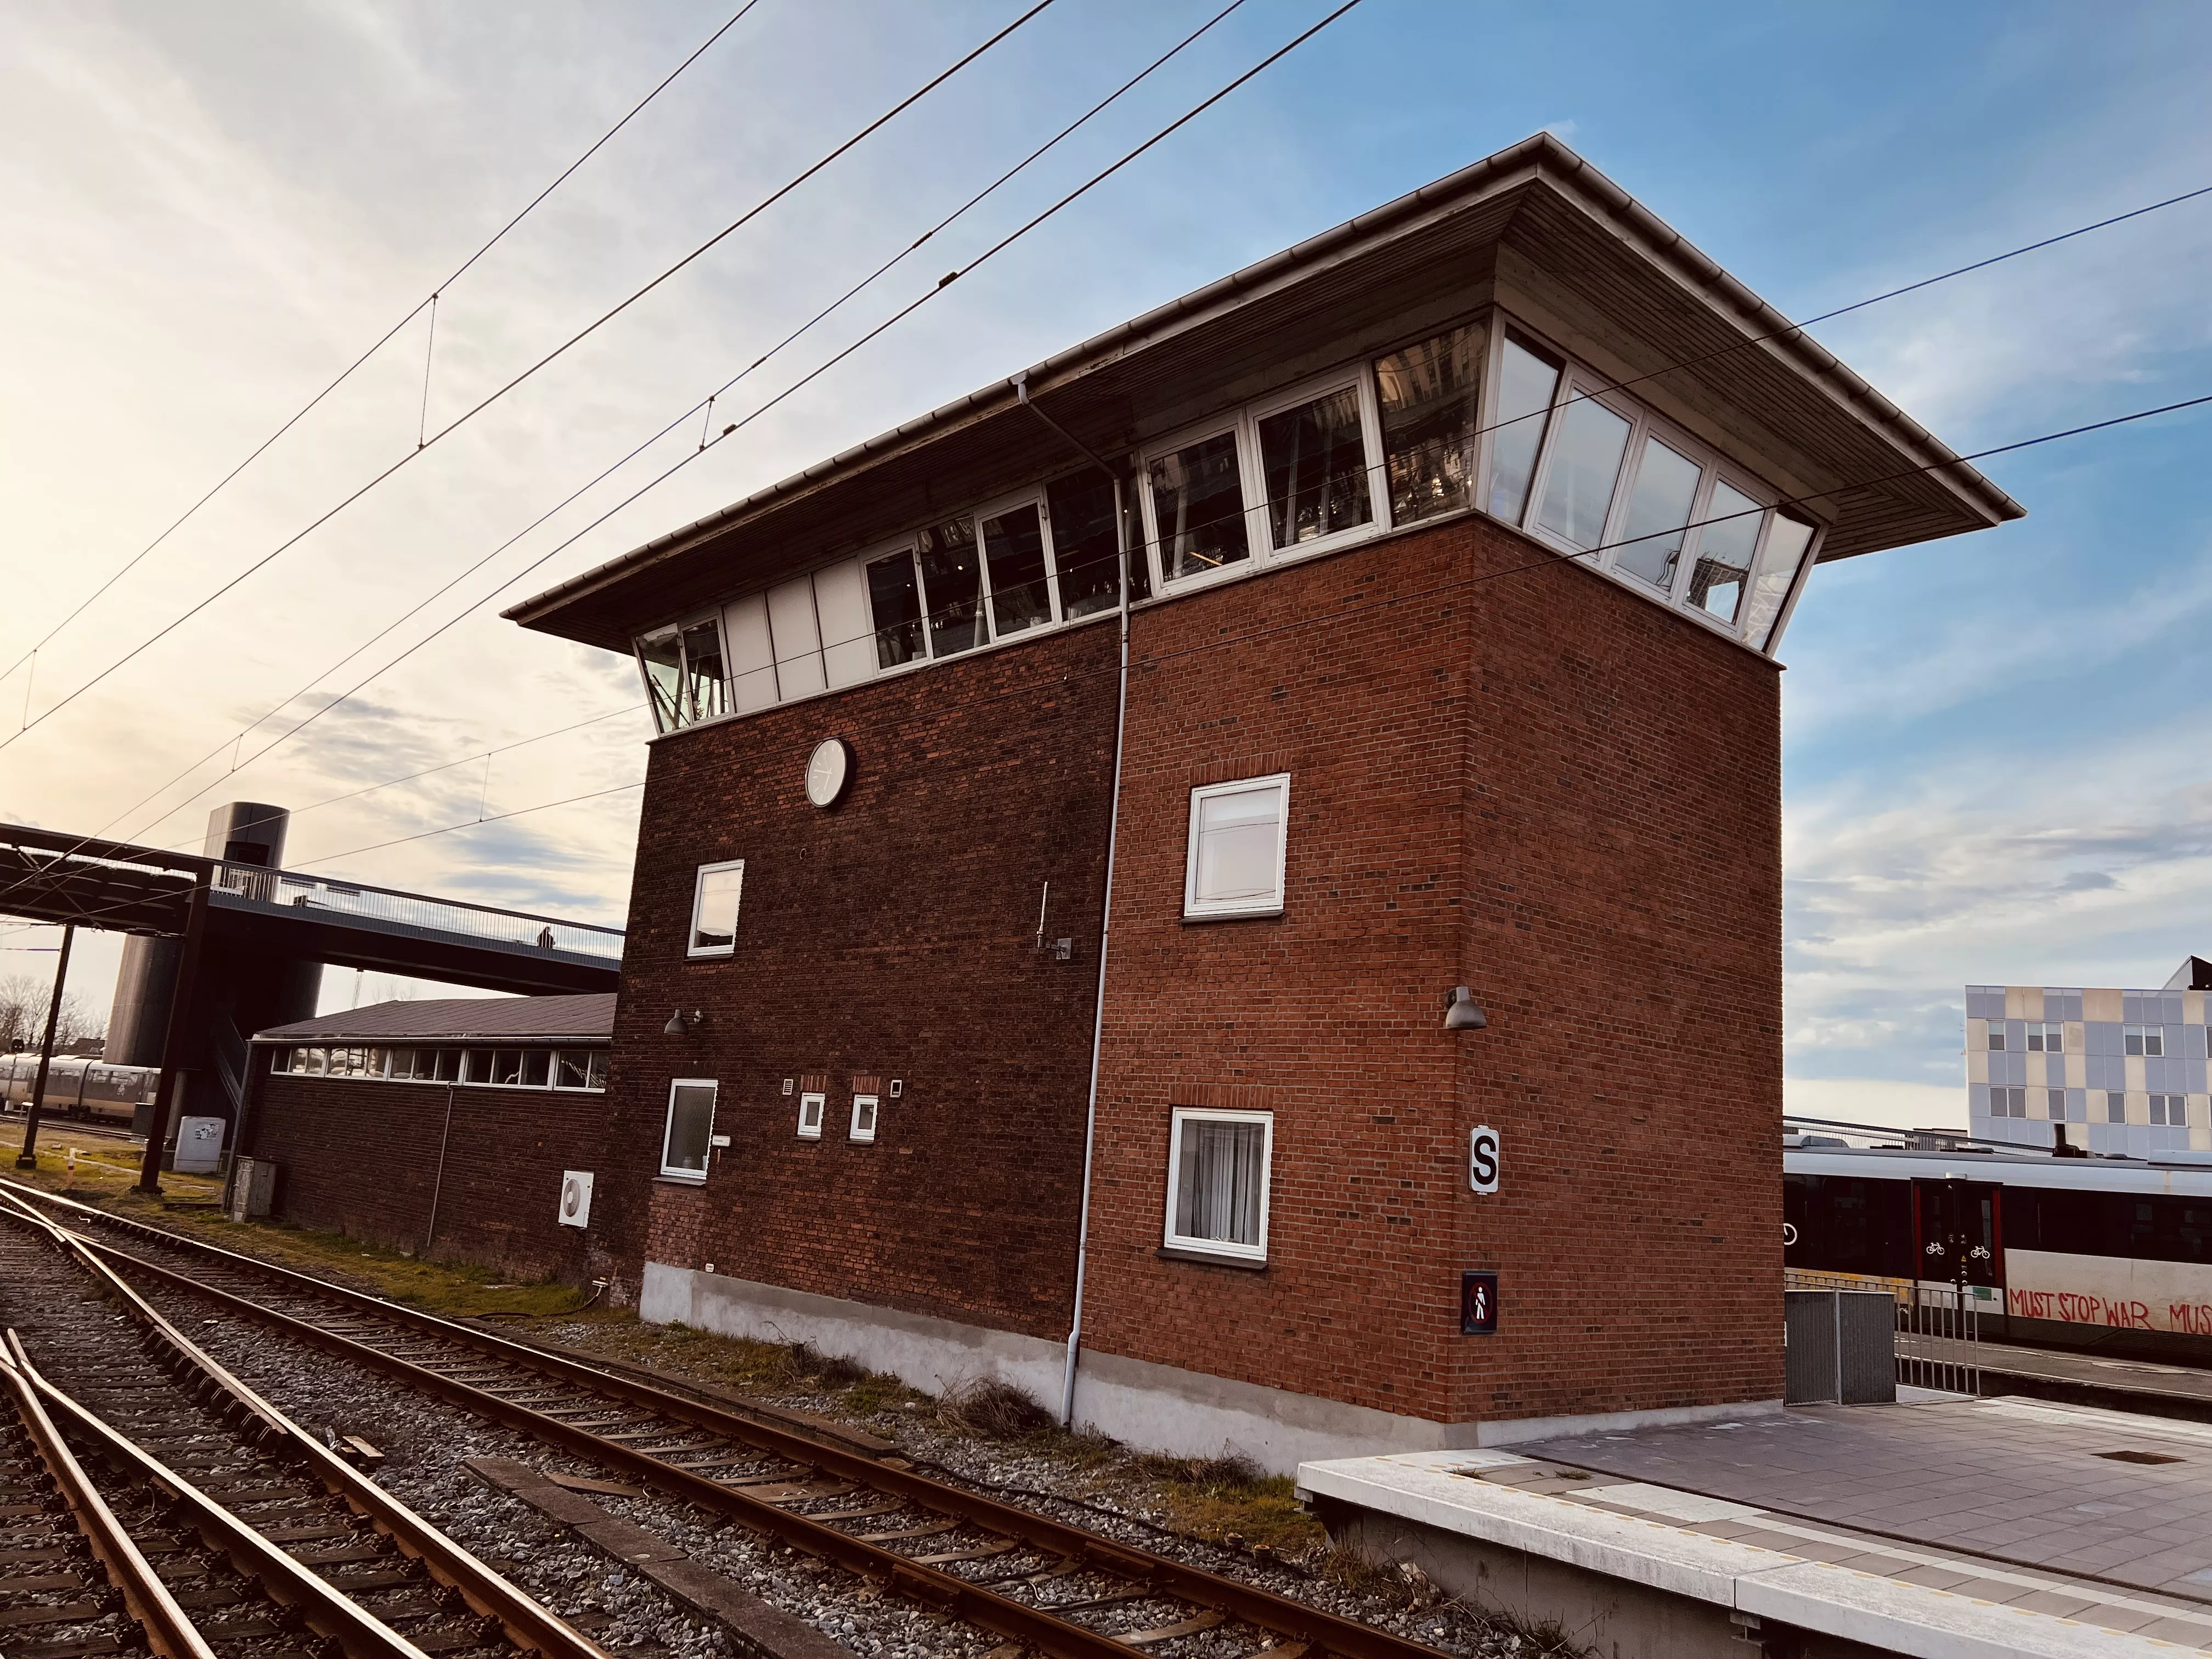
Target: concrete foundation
[(1160, 1407)]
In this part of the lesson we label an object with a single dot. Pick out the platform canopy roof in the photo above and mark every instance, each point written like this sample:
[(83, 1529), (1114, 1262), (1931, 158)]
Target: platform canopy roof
[(1534, 228)]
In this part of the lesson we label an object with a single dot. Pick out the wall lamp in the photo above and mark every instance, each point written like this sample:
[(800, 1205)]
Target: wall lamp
[(683, 1024), (1461, 1013)]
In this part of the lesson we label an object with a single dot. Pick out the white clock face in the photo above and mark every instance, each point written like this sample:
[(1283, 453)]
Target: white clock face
[(827, 770)]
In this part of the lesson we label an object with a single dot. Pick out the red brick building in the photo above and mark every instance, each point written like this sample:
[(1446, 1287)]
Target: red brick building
[(453, 1130), (1459, 540)]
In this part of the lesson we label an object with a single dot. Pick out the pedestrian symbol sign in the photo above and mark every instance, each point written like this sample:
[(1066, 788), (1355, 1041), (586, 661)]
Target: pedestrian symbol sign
[(1478, 1304)]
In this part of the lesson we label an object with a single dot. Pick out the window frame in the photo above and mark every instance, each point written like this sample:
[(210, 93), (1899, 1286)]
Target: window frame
[(1217, 910), (1580, 385), (1032, 497), (855, 1133), (1359, 375), (696, 1177), (819, 1099), (1233, 422), (682, 711), (691, 947), (1169, 1238)]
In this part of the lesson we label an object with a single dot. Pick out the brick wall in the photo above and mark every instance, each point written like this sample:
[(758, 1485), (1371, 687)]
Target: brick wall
[(1538, 786), (360, 1157), (892, 937)]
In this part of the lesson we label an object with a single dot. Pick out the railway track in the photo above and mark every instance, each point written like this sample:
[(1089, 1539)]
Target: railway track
[(222, 1530), (1032, 1581)]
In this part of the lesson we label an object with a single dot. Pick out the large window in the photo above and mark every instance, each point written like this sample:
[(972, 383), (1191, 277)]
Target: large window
[(714, 908), (1217, 1164), (1313, 462), (1428, 396), (1479, 416), (1235, 859), (689, 1139), (1197, 497), (520, 1068)]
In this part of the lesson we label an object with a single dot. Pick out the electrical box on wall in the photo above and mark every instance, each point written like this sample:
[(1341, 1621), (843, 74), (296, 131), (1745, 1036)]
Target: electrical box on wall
[(575, 1198)]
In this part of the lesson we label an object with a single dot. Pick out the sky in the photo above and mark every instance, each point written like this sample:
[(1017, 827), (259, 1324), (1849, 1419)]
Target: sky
[(1992, 744)]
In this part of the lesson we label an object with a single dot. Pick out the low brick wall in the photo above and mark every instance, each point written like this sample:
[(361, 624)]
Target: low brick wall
[(362, 1157)]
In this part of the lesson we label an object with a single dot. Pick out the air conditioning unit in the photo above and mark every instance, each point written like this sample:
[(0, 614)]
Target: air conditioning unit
[(575, 1198)]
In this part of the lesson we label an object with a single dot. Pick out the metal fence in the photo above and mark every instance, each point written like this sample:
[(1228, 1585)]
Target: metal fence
[(249, 885), (1938, 1329)]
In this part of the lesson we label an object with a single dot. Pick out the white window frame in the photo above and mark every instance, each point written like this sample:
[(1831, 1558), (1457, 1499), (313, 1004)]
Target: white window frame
[(691, 946), (1577, 385), (908, 544), (819, 1101), (1032, 497), (866, 1136), (1360, 377), (1172, 1240), (1211, 910), (1720, 471), (668, 1127), (1256, 529)]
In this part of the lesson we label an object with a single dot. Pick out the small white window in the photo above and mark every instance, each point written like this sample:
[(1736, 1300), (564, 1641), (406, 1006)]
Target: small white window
[(688, 1141), (864, 1117), (714, 908), (1237, 834), (1217, 1164), (810, 1116)]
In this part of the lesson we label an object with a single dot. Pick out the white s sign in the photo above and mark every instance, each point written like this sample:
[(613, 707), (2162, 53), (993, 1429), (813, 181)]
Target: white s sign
[(1482, 1151)]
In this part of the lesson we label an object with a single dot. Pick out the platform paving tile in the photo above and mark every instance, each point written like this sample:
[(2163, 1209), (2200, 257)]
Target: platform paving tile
[(2019, 1480)]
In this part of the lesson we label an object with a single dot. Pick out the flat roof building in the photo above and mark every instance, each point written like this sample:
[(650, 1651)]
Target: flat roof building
[(2128, 1067), (1459, 540)]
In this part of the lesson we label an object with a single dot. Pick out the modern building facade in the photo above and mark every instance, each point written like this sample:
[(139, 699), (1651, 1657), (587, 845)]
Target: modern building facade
[(1460, 541), (2112, 1070)]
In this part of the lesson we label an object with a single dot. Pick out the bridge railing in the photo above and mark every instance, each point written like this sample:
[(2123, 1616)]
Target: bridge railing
[(247, 884)]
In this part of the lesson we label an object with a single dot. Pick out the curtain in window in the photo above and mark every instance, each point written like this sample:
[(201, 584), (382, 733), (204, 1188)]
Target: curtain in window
[(1221, 1174)]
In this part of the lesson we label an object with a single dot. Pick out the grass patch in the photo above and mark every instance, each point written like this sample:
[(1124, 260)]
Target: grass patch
[(1229, 1500)]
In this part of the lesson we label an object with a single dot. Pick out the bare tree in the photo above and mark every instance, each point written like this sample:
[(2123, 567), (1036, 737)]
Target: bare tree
[(23, 1000)]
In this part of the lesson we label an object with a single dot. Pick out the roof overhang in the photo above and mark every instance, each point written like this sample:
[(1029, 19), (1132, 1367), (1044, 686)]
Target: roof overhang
[(1533, 227)]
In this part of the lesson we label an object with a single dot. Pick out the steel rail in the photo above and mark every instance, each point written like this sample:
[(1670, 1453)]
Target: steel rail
[(357, 1633), (528, 1623), (168, 1629), (1267, 1611)]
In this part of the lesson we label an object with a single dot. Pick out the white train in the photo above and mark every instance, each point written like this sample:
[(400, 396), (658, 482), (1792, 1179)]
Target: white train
[(78, 1088), (2079, 1251)]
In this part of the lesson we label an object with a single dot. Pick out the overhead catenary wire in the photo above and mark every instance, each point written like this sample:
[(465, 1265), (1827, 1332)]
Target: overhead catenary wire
[(937, 711), (790, 338), (509, 385), (382, 340), (1890, 294)]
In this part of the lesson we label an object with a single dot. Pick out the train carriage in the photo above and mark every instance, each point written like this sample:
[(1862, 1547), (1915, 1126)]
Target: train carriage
[(2105, 1252), (79, 1088)]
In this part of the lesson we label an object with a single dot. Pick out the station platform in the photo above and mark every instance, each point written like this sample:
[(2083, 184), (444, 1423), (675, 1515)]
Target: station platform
[(1949, 1530), (2123, 1384)]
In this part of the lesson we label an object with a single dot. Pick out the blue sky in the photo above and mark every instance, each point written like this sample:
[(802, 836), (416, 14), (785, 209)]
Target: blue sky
[(1991, 767)]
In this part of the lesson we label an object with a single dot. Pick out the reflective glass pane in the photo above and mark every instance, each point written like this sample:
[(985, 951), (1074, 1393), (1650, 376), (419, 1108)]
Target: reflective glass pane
[(476, 1064), (1086, 549), (1526, 387), (706, 676), (536, 1063), (1585, 466), (1427, 395), (690, 1124), (715, 927), (1778, 569), (376, 1063), (1198, 502), (507, 1066), (1315, 458), (895, 598), (448, 1065), (1658, 511), (573, 1071), (1724, 551), (662, 653), (1013, 546), (1221, 1170), (402, 1063), (1237, 837), (952, 584), (595, 1073)]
